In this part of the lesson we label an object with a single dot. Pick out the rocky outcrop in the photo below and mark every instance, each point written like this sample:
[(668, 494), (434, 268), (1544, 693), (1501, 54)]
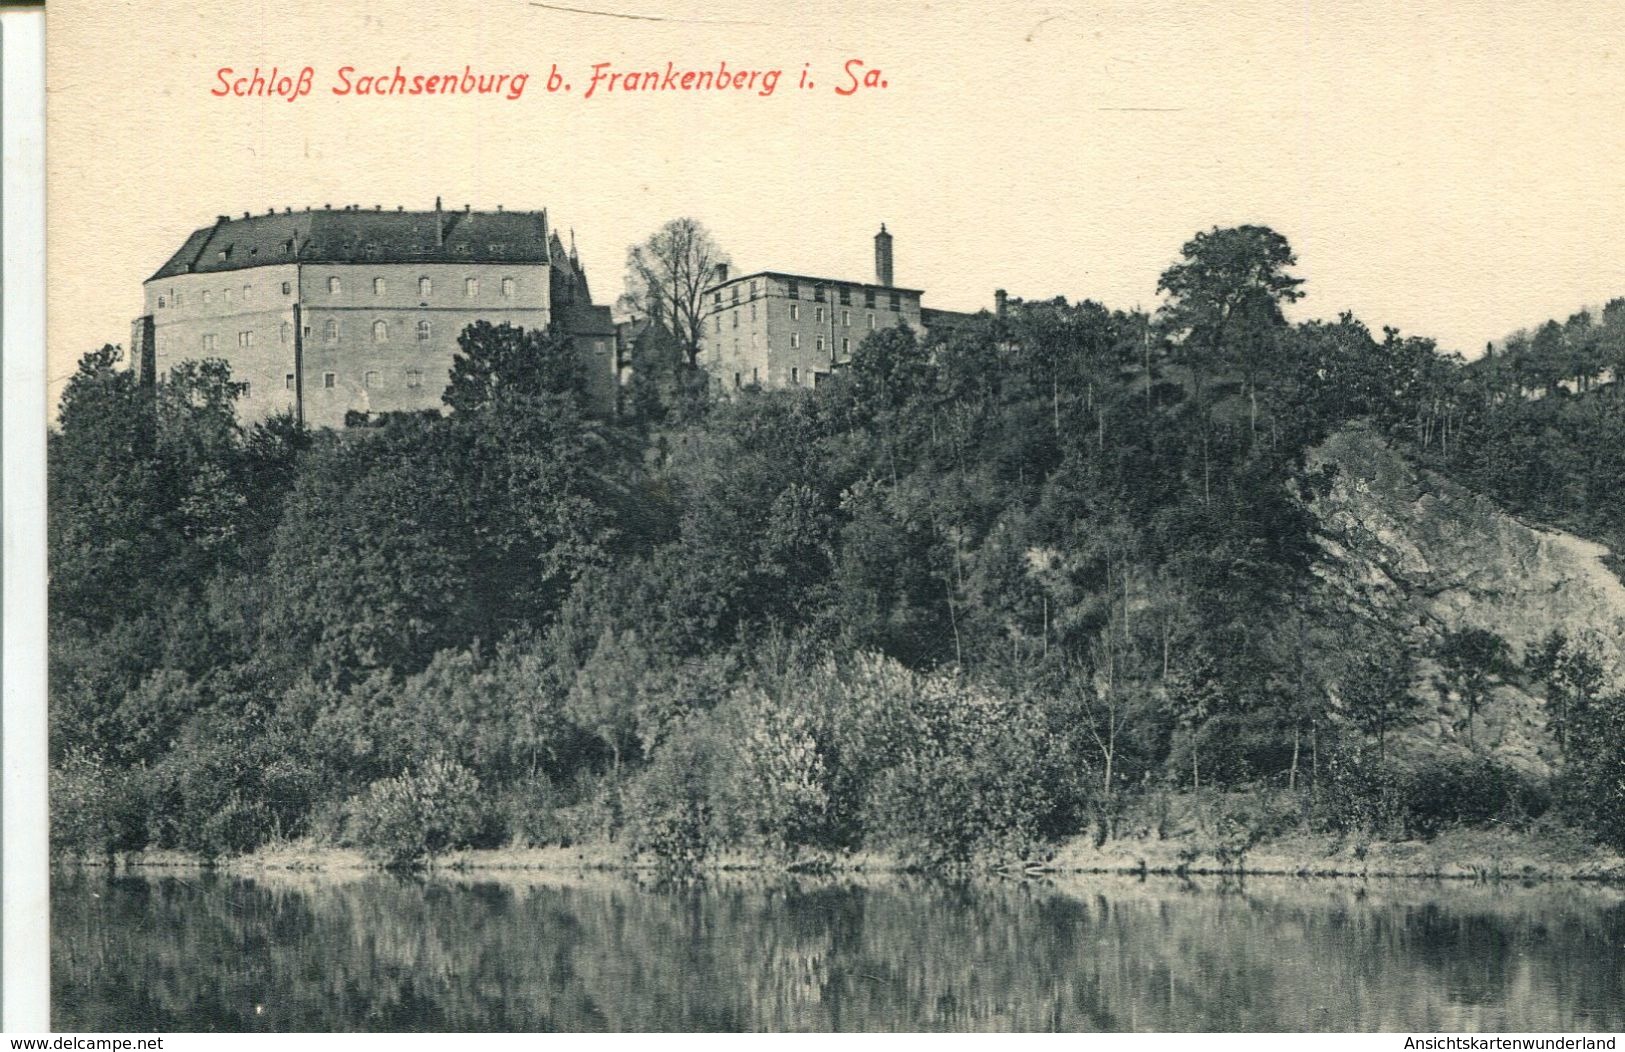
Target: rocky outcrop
[(1428, 556)]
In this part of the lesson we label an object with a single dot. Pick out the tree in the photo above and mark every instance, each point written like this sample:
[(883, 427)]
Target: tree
[(1468, 658), (499, 363), (1376, 685), (667, 276), (1231, 283), (1224, 307)]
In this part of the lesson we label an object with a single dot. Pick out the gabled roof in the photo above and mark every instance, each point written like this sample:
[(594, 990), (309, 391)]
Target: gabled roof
[(354, 235)]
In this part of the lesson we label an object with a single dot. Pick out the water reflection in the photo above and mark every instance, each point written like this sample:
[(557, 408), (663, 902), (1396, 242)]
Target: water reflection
[(374, 952)]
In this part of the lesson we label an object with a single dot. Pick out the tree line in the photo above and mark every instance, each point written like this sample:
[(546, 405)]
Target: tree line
[(987, 588)]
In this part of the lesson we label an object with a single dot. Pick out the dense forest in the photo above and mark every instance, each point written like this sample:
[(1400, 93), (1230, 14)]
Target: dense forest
[(1010, 582)]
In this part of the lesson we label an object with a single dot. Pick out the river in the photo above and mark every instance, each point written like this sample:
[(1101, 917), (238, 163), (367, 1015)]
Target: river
[(196, 951)]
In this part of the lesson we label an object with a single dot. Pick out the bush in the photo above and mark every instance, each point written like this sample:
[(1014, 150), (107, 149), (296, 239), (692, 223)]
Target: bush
[(1469, 791), (407, 820), (1590, 790), (668, 806), (970, 778), (1358, 793), (775, 781), (96, 809)]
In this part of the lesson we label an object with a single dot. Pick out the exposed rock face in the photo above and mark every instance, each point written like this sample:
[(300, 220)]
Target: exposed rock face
[(1428, 556)]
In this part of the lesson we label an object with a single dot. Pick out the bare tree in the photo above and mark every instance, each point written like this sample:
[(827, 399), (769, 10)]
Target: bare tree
[(666, 279)]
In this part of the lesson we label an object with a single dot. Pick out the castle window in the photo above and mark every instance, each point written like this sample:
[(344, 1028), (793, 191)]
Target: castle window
[(287, 287), (333, 285), (330, 380), (425, 286), (795, 375), (160, 301), (601, 346), (471, 287), (846, 296), (846, 345), (753, 289), (287, 381), (248, 293), (736, 319), (736, 382), (896, 301), (753, 312), (175, 297), (818, 315), (792, 288), (248, 388), (286, 333), (869, 298), (507, 288), (795, 340), (871, 321), (369, 379), (330, 331), (846, 318), (208, 341), (225, 296), (414, 378), (735, 296), (753, 376), (246, 338), (716, 299), (795, 312), (718, 319), (377, 286), (820, 344), (205, 297), (818, 294), (423, 331), (380, 331)]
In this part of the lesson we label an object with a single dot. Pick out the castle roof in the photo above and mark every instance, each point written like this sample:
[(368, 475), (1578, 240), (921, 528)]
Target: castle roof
[(355, 235), (811, 282)]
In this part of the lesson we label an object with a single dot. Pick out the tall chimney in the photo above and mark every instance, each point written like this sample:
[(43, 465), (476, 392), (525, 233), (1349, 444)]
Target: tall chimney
[(439, 226), (999, 299), (883, 257)]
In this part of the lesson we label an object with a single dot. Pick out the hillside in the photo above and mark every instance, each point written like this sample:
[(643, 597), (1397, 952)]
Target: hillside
[(1428, 556)]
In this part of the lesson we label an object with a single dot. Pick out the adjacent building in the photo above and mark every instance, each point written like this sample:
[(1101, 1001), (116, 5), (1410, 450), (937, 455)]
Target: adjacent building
[(334, 314), (773, 329)]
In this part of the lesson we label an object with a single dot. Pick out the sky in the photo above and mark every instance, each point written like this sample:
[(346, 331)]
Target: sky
[(1452, 169)]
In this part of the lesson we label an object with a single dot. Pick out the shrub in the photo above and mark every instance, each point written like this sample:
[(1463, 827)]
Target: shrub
[(407, 820), (96, 809), (776, 781), (1590, 790), (969, 780), (668, 805), (1469, 791)]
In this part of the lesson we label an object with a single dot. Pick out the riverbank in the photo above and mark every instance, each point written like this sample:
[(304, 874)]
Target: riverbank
[(1460, 854)]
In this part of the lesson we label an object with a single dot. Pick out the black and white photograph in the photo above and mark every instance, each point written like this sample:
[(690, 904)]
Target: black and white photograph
[(685, 516)]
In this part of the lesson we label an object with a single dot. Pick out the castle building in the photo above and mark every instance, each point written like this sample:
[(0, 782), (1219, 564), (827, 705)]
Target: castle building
[(326, 313), (772, 329)]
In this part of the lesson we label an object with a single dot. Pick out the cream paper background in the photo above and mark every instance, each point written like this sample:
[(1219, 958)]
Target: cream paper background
[(1451, 168)]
